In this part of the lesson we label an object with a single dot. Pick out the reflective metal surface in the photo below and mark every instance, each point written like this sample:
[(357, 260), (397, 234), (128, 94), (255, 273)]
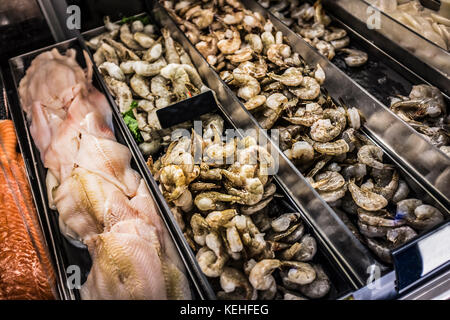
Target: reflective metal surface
[(428, 60)]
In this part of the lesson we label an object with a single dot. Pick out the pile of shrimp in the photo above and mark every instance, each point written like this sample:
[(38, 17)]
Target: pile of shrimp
[(139, 65), (425, 110), (348, 172), (321, 137), (314, 26), (227, 206)]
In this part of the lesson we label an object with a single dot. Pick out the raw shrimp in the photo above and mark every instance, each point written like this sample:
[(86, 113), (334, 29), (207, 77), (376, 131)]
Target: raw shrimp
[(174, 181), (112, 70), (216, 219), (324, 48), (140, 86), (231, 280), (277, 52), (233, 18), (200, 229), (401, 193), (371, 156), (366, 199), (301, 151), (329, 181), (319, 287), (334, 195), (249, 210), (357, 171), (110, 26), (211, 264), (399, 236), (248, 86), (234, 240), (121, 92), (207, 46), (388, 190), (180, 80), (127, 38), (354, 118), (255, 102), (230, 46), (319, 74), (355, 58), (308, 90), (153, 53), (241, 55), (305, 250), (105, 53), (331, 148), (137, 26), (317, 30), (335, 34), (340, 43), (123, 52), (209, 200), (283, 222), (143, 68), (424, 217), (306, 116), (171, 51), (328, 128), (381, 218), (261, 274), (291, 77), (255, 42), (300, 272)]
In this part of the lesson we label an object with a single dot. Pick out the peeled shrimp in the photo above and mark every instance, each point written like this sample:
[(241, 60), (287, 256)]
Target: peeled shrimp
[(366, 199), (309, 89)]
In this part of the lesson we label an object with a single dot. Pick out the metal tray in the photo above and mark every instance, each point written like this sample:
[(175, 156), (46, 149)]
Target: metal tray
[(355, 257), (341, 284), (65, 252), (423, 56)]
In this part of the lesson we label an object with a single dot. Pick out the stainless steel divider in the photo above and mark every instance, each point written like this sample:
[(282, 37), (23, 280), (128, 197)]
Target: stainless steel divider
[(429, 60)]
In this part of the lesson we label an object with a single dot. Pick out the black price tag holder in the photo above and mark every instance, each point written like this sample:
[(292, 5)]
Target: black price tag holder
[(187, 110), (422, 258)]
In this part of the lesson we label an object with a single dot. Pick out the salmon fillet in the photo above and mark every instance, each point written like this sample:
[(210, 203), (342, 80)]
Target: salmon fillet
[(25, 268)]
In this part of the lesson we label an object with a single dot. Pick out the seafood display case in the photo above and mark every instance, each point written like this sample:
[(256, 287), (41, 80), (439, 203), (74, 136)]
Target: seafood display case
[(350, 265)]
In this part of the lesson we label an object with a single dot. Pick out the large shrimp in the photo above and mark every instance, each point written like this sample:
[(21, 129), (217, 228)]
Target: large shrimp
[(261, 274), (171, 51), (371, 156), (328, 128), (230, 46), (248, 86), (291, 77), (231, 280), (366, 199), (308, 90)]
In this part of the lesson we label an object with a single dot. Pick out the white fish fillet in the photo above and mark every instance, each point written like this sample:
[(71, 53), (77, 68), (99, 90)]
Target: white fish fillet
[(81, 202), (110, 160), (125, 267)]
